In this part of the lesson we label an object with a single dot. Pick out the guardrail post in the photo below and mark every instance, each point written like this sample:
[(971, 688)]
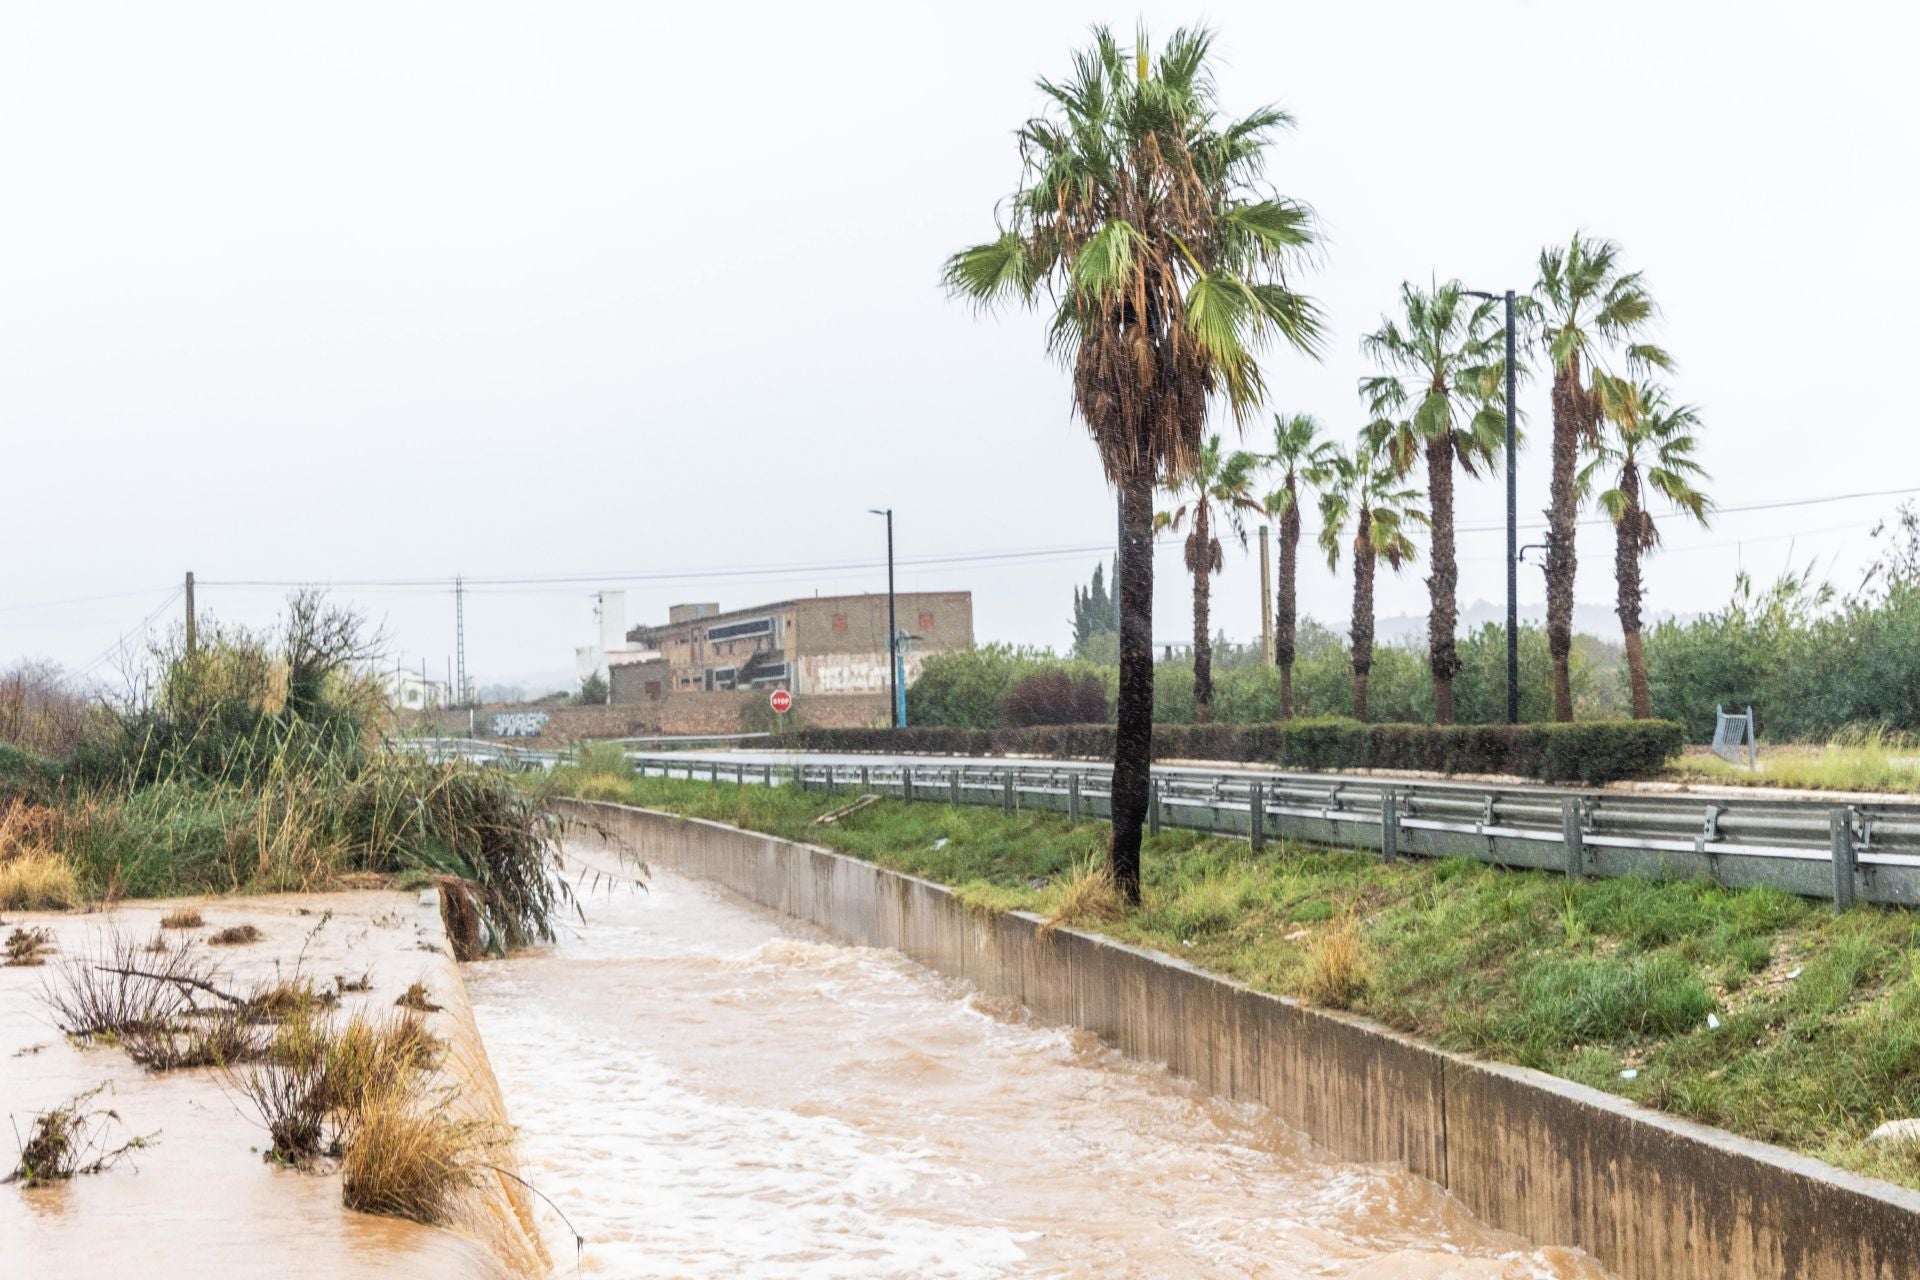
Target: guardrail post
[(766, 775), (906, 783), (1006, 793), (866, 778), (1153, 807), (1573, 836), (1073, 799), (1389, 825), (1845, 857), (953, 786), (1257, 816)]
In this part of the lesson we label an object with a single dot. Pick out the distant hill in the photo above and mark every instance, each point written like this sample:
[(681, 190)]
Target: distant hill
[(1589, 619)]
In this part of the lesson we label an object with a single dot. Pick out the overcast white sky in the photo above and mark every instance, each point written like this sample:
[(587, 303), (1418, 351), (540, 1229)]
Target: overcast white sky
[(355, 292)]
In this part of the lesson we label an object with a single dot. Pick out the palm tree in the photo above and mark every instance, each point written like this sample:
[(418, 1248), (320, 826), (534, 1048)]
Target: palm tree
[(1363, 492), (1586, 308), (1647, 439), (1141, 224), (1446, 368), (1304, 457), (1216, 491)]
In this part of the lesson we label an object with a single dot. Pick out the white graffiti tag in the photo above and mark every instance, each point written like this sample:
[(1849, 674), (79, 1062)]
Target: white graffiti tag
[(518, 724)]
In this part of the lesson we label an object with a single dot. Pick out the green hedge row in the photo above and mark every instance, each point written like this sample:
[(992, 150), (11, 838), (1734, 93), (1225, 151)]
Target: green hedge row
[(1589, 752)]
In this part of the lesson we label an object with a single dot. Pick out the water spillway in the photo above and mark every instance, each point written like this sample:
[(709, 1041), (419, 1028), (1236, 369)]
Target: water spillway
[(710, 1088)]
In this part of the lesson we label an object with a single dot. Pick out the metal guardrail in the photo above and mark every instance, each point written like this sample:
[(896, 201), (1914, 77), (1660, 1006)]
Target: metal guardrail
[(1845, 852)]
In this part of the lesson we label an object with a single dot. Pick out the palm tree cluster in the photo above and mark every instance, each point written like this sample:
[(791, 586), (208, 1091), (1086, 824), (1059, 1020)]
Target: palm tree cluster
[(1145, 229)]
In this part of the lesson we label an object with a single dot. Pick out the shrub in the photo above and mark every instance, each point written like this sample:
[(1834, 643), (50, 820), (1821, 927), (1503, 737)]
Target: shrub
[(1055, 697), (1590, 752)]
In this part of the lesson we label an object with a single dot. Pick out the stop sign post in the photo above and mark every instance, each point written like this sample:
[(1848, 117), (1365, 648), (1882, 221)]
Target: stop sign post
[(781, 701)]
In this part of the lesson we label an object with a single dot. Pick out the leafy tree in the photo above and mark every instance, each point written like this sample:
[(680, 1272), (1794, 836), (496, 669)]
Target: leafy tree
[(1440, 395), (1304, 457), (1586, 309), (1096, 615), (1363, 493), (1217, 491), (593, 691), (1646, 439), (1142, 224)]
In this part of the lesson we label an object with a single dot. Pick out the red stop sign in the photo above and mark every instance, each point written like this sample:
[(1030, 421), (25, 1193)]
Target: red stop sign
[(781, 701)]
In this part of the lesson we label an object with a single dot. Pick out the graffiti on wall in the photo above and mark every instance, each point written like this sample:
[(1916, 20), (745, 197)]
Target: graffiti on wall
[(851, 672), (518, 724)]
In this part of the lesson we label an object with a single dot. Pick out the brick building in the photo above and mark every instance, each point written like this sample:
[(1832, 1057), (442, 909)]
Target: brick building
[(816, 646)]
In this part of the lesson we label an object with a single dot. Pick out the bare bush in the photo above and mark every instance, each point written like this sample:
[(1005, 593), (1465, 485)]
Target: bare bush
[(71, 1139), (42, 708), (122, 987)]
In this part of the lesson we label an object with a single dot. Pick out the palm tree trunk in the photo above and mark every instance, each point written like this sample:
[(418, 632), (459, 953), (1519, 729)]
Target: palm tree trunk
[(1285, 603), (1569, 419), (1626, 569), (1362, 634), (1443, 658), (1133, 729), (1202, 641)]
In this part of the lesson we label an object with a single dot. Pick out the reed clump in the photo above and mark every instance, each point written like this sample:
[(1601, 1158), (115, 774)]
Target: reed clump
[(258, 761)]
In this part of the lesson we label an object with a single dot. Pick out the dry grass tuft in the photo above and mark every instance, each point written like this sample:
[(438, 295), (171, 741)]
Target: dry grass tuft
[(313, 1082), (184, 918), (1337, 973), (27, 947), (407, 1161), (70, 1139), (34, 874), (415, 998), (236, 935), (1088, 896)]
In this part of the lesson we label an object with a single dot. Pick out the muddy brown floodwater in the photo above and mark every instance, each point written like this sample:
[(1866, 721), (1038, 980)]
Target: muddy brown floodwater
[(709, 1089)]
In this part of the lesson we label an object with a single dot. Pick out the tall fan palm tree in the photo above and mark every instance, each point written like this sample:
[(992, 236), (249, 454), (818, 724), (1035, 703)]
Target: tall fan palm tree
[(1646, 440), (1364, 493), (1216, 492), (1304, 457), (1141, 223), (1446, 370), (1587, 309)]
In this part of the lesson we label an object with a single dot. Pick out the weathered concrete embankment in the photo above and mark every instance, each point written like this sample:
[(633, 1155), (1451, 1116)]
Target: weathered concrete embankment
[(1647, 1194)]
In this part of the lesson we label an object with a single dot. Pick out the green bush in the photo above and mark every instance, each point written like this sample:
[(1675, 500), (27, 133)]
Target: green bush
[(24, 775), (1593, 753)]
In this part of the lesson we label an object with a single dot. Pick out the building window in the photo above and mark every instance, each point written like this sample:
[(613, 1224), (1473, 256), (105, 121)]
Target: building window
[(926, 623), (839, 622)]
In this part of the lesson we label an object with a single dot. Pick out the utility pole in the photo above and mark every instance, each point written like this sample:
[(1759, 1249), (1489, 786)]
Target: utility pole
[(1513, 522), (1266, 598), (895, 695), (193, 633), (1513, 543), (459, 691)]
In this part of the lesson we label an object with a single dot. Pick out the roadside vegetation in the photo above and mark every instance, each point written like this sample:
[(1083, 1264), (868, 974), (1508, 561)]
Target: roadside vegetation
[(1753, 1010), (255, 762)]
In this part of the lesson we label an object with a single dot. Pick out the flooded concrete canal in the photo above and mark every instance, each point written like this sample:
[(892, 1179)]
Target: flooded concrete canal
[(711, 1089)]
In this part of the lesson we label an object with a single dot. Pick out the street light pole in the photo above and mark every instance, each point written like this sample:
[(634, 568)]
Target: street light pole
[(1513, 526), (893, 630)]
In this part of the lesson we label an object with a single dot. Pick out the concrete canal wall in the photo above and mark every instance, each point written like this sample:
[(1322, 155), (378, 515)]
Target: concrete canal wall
[(1646, 1194)]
